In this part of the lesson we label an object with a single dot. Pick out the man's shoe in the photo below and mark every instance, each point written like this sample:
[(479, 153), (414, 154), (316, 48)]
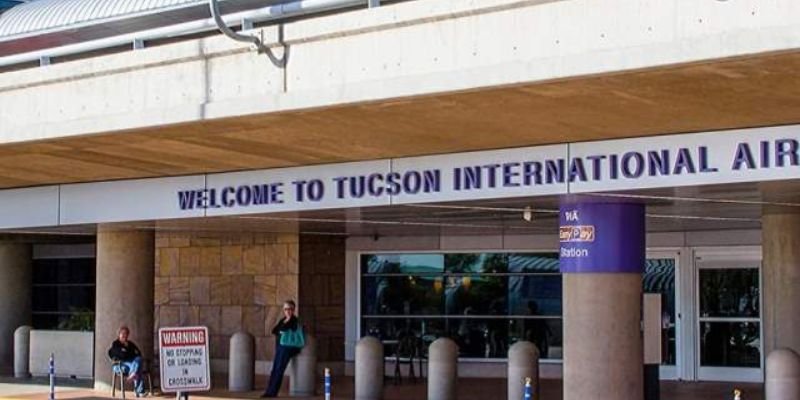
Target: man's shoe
[(267, 395)]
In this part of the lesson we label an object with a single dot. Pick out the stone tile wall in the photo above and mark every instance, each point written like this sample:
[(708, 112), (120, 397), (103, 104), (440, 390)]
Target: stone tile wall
[(228, 282), (322, 281)]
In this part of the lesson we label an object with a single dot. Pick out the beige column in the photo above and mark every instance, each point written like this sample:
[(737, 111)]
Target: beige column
[(602, 338), (125, 279), (15, 298), (780, 238)]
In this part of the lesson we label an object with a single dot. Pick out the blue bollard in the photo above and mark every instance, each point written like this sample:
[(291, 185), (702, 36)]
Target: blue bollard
[(327, 384), (52, 373), (527, 395)]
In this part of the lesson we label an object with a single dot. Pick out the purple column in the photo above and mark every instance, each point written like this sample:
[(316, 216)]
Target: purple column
[(602, 237), (602, 256)]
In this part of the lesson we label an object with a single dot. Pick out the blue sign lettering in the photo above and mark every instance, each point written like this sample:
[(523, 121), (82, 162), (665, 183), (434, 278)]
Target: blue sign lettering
[(479, 176)]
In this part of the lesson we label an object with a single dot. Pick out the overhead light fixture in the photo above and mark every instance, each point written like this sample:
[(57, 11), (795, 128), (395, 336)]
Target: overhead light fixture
[(527, 214)]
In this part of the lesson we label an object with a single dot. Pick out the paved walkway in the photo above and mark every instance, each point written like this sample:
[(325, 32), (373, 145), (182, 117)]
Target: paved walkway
[(469, 389), (11, 388)]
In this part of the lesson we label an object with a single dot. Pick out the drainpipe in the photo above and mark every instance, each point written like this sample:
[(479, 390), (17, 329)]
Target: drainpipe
[(271, 13), (227, 31)]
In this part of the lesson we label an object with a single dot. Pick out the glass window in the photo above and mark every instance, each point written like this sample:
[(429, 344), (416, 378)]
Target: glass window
[(63, 293), (476, 295), (729, 293), (730, 344), (546, 333), (483, 301), (402, 295), (480, 337), (388, 329), (468, 263), (412, 264), (533, 263), (534, 295)]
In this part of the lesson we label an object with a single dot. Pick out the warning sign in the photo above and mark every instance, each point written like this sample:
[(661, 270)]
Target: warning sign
[(184, 359)]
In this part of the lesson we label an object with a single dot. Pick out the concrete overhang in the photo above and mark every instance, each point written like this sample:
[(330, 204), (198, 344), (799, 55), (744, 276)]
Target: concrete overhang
[(421, 77)]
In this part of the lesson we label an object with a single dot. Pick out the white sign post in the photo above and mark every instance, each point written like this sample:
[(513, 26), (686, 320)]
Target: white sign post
[(184, 359)]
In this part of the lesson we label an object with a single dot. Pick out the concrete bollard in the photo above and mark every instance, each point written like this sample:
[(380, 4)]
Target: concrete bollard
[(783, 375), (303, 369), (369, 369), (241, 362), (523, 362), (22, 343), (442, 369)]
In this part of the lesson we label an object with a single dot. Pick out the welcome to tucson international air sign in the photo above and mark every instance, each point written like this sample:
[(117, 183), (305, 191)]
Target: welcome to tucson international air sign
[(560, 169), (747, 155)]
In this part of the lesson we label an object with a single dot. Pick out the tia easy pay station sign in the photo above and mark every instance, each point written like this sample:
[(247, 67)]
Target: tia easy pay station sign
[(184, 359)]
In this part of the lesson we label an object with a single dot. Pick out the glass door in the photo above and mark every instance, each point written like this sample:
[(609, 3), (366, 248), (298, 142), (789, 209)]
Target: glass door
[(661, 275), (728, 306)]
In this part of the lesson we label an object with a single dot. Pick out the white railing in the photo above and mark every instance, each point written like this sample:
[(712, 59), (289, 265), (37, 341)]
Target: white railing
[(137, 39)]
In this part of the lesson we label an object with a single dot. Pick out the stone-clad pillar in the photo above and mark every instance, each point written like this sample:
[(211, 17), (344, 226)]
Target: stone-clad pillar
[(602, 258), (780, 238), (15, 298), (124, 282)]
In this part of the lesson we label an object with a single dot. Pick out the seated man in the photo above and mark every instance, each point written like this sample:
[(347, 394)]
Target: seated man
[(129, 357)]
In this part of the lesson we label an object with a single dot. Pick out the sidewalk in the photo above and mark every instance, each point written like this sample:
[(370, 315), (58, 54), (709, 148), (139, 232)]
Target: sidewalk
[(11, 388), (469, 389)]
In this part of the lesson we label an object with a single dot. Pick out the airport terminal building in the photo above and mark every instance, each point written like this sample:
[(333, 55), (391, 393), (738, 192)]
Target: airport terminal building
[(489, 171)]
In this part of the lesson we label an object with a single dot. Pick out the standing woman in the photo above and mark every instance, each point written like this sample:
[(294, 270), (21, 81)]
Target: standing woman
[(289, 341)]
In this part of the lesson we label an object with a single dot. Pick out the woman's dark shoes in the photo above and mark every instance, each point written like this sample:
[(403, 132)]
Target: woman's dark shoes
[(267, 395)]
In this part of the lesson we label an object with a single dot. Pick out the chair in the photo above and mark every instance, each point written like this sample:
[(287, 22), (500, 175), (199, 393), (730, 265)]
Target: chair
[(117, 373), (405, 352), (422, 354)]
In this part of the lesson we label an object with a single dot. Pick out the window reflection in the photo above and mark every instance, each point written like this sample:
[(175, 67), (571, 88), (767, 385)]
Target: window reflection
[(412, 264), (402, 295), (483, 301), (729, 293), (730, 344), (545, 332), (534, 295), (461, 263), (533, 263), (480, 338), (476, 295)]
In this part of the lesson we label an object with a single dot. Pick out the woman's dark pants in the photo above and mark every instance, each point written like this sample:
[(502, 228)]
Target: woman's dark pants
[(283, 355)]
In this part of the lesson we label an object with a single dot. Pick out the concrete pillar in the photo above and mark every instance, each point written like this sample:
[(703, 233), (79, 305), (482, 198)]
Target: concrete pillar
[(780, 241), (602, 255), (523, 362), (442, 369), (22, 351), (15, 298), (303, 369), (241, 362), (124, 294), (369, 369), (783, 375)]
